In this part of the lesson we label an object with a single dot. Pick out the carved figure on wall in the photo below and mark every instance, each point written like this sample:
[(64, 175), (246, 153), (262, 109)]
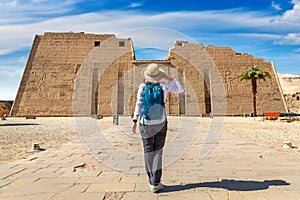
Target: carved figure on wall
[(228, 82)]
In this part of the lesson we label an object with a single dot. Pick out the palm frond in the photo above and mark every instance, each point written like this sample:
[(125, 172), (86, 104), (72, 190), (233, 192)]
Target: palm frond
[(254, 73)]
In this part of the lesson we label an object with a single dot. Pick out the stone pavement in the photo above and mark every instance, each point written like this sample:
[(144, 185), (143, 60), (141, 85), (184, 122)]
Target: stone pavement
[(236, 168)]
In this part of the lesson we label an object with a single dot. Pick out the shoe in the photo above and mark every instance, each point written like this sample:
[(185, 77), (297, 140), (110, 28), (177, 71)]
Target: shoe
[(157, 188)]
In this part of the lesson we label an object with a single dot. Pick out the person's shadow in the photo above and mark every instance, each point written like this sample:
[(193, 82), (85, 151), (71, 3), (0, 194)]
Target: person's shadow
[(237, 185), (19, 124)]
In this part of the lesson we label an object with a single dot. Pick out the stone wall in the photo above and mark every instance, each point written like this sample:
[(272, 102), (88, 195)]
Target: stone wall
[(238, 93), (196, 66), (97, 85), (88, 74), (46, 87)]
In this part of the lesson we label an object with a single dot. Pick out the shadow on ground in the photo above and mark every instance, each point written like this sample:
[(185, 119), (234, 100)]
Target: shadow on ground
[(234, 185), (19, 124)]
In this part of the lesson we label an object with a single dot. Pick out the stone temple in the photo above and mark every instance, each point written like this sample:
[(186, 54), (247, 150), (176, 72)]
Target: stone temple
[(78, 74)]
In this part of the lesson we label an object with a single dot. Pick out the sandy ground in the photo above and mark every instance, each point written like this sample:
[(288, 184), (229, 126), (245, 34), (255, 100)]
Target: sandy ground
[(272, 133), (18, 134)]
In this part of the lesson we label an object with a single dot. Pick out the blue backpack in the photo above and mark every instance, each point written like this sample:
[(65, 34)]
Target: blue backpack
[(153, 104)]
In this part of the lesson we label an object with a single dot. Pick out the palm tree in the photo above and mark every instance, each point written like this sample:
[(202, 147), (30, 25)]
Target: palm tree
[(254, 74)]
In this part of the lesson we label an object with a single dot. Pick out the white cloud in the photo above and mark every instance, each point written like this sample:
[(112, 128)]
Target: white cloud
[(8, 3), (6, 72), (275, 5), (289, 39), (8, 92), (39, 1), (147, 37), (11, 74), (135, 4), (14, 37), (24, 11), (293, 15), (10, 78), (18, 28), (264, 36)]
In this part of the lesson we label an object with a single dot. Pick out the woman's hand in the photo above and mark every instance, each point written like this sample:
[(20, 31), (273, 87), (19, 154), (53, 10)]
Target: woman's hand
[(133, 127), (167, 77)]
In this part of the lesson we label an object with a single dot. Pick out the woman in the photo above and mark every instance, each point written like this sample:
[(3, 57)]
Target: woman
[(151, 115)]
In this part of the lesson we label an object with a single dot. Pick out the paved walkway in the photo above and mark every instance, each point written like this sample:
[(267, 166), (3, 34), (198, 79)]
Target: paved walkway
[(235, 169)]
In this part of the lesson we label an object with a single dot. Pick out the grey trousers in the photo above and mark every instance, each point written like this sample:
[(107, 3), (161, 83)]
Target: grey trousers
[(153, 138)]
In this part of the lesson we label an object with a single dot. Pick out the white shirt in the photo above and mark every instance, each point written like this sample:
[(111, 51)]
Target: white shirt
[(174, 87)]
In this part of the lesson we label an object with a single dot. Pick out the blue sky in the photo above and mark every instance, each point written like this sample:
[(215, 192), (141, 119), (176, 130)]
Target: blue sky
[(263, 28)]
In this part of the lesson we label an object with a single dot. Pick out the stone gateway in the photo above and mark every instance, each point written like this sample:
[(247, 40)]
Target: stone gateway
[(78, 74)]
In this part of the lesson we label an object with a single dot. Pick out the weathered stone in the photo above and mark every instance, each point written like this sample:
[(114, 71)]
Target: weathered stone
[(78, 74)]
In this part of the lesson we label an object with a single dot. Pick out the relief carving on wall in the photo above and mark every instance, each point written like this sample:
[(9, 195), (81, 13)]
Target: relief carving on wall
[(229, 82)]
